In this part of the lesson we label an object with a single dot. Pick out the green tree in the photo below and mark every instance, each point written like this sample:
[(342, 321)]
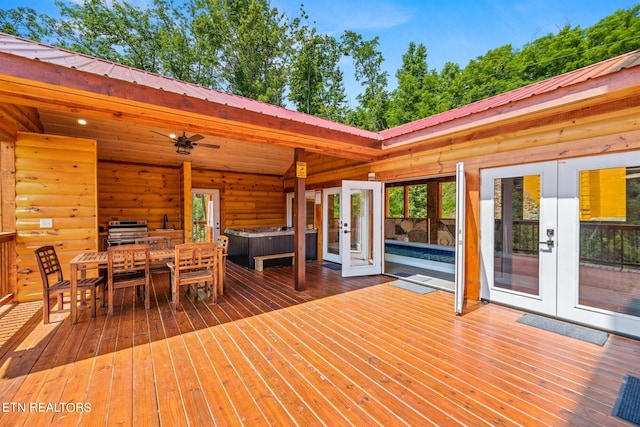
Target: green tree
[(405, 101), (367, 60), (316, 82), (395, 202), (613, 35), (117, 32), (255, 45), (417, 201), (550, 55), (489, 75), (25, 22)]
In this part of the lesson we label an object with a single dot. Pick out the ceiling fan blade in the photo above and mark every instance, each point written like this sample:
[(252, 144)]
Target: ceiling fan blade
[(162, 134), (196, 137), (209, 145)]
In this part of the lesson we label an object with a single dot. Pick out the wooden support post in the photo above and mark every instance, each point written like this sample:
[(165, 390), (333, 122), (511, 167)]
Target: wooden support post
[(299, 235)]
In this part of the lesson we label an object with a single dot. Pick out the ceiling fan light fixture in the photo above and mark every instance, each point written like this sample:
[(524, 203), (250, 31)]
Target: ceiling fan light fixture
[(183, 149)]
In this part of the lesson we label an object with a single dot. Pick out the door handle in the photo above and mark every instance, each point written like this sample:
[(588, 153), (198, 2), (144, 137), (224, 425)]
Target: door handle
[(550, 243)]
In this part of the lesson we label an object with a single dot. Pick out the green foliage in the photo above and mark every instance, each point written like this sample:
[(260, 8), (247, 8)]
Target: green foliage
[(25, 22), (448, 200), (249, 48), (417, 201), (316, 82), (395, 199), (371, 112), (253, 43), (406, 99)]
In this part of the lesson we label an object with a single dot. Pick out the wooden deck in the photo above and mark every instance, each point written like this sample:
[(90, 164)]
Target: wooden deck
[(345, 352)]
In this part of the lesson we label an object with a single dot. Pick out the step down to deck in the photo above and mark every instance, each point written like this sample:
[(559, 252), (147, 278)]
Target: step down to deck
[(259, 260)]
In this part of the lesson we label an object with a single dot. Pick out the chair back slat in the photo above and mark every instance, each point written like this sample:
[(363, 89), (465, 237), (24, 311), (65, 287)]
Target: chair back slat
[(190, 256), (48, 264), (223, 243), (128, 259), (195, 264)]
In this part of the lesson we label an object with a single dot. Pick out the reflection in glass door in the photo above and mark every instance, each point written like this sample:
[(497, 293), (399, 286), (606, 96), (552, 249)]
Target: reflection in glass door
[(603, 283), (517, 225), (332, 235)]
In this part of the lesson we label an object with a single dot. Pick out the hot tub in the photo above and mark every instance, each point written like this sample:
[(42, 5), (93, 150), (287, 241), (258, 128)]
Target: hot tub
[(246, 243)]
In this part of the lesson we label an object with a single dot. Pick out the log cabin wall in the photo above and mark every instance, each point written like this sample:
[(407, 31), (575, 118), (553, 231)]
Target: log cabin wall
[(56, 183), (130, 191), (606, 128), (247, 200), (13, 119), (139, 192)]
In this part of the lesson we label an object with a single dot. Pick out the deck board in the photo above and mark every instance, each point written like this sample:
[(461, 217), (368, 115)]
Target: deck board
[(347, 351)]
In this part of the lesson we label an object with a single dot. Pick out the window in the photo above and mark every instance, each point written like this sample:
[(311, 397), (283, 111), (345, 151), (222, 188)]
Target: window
[(448, 200), (395, 202), (417, 201), (310, 209)]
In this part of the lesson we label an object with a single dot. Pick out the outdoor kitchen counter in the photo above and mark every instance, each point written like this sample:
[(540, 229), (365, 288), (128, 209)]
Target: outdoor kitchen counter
[(246, 243)]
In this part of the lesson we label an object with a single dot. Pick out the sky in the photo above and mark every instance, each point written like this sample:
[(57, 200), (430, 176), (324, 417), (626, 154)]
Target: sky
[(451, 30)]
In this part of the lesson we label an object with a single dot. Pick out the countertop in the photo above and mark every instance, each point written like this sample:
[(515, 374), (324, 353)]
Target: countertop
[(264, 232)]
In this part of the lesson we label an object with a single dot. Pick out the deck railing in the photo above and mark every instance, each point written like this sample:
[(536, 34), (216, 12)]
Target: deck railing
[(610, 244), (7, 267), (602, 243)]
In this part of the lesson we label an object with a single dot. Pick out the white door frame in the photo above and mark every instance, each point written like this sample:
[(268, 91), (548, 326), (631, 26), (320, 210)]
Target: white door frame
[(373, 266), (461, 192)]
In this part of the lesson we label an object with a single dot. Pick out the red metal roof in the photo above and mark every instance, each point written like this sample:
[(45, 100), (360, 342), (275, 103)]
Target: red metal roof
[(600, 69), (38, 51), (54, 55)]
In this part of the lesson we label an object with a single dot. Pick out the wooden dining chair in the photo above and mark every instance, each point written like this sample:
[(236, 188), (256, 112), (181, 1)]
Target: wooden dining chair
[(194, 264), (128, 266), (53, 282), (223, 245), (156, 242)]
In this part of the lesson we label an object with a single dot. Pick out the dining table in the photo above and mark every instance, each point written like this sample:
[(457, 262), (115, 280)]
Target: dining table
[(95, 260)]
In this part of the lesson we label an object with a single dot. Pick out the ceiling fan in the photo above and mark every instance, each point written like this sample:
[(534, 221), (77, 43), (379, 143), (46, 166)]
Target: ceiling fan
[(184, 144)]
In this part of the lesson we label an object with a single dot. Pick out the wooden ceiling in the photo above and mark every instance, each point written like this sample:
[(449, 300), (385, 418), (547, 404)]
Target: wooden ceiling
[(129, 142)]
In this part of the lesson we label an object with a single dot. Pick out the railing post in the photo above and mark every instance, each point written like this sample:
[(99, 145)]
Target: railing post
[(8, 273)]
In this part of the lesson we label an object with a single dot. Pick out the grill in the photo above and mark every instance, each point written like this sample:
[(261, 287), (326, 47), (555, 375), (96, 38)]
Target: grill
[(126, 232)]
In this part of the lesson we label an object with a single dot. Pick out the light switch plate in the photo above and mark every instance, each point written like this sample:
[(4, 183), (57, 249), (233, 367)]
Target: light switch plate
[(46, 222)]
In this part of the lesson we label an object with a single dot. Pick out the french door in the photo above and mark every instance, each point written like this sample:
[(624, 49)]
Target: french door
[(206, 214), (361, 228), (518, 210), (563, 239)]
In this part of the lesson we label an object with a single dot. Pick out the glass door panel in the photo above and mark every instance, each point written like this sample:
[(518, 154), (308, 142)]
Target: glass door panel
[(517, 225), (600, 200), (610, 239), (332, 230)]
